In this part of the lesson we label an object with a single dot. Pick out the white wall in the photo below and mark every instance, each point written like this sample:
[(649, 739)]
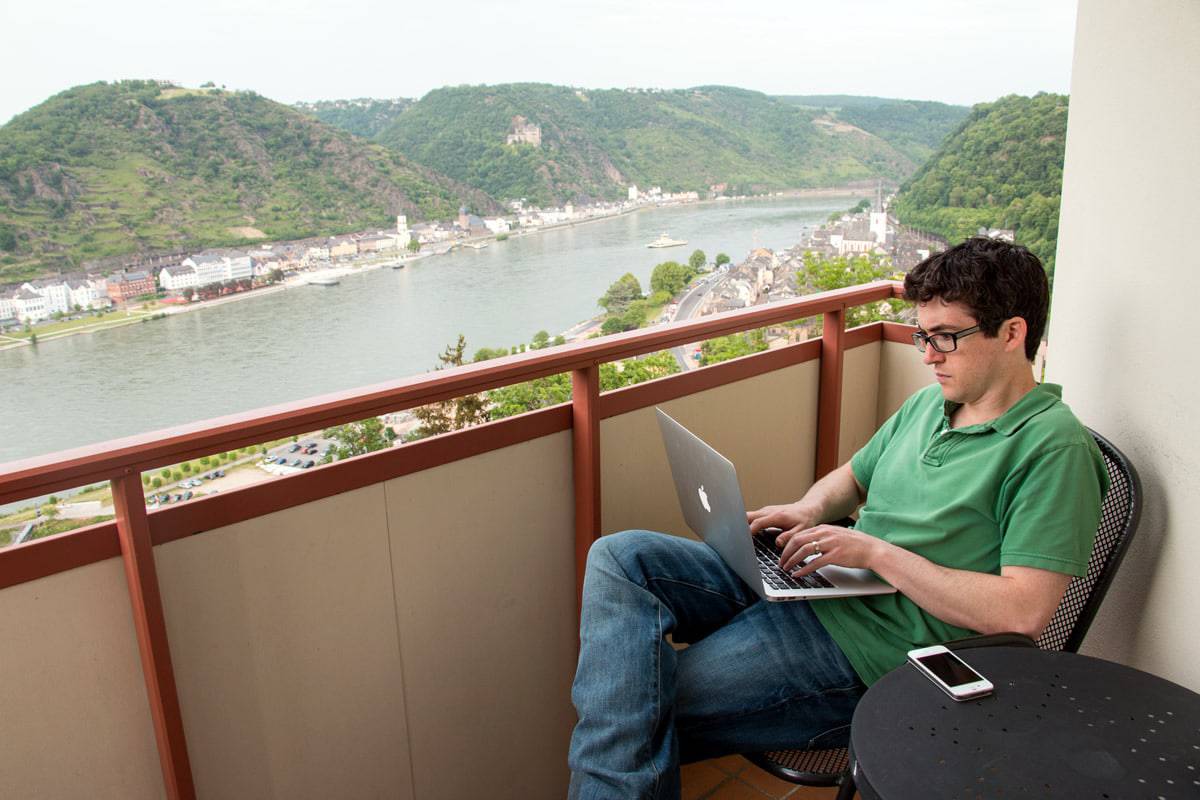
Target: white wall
[(1122, 338)]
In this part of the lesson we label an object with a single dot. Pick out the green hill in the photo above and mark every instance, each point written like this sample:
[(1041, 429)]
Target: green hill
[(595, 143), (915, 127), (362, 116), (136, 167), (1001, 169)]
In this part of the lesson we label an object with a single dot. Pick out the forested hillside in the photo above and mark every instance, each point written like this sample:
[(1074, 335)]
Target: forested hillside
[(363, 116), (915, 127), (134, 167), (595, 143), (1002, 169)]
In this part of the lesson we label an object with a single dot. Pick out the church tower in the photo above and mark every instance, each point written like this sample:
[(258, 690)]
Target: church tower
[(879, 216)]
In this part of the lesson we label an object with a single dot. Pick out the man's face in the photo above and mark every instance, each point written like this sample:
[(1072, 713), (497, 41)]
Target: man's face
[(970, 371)]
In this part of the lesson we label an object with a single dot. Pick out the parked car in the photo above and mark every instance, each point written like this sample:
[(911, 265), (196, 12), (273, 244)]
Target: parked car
[(220, 473), (309, 463), (187, 495), (296, 463), (281, 460), (293, 448)]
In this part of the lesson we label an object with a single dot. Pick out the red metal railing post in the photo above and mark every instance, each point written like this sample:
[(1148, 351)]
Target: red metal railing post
[(585, 417), (133, 529), (829, 402)]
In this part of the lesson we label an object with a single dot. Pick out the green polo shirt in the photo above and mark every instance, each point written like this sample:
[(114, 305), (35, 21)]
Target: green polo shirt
[(1023, 489)]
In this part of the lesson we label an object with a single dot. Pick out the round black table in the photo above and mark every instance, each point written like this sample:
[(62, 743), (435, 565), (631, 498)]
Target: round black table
[(1058, 725)]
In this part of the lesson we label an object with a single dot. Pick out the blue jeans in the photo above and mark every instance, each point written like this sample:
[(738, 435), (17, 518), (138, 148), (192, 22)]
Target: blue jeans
[(755, 676)]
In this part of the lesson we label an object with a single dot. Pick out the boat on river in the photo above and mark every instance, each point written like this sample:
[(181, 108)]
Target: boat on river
[(665, 240), (324, 278), (476, 245)]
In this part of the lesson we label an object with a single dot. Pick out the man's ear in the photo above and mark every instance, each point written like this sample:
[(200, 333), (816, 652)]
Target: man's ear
[(1013, 332)]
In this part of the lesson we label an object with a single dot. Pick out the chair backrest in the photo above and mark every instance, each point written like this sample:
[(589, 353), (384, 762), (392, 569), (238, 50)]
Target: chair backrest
[(1118, 521)]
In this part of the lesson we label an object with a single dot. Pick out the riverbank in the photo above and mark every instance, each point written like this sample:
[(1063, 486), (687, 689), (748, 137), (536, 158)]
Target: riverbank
[(43, 334)]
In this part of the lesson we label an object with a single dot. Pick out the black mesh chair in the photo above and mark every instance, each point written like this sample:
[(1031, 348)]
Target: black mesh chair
[(1118, 521)]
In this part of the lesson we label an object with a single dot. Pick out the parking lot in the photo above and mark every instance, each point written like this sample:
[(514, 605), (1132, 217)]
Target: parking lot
[(288, 459)]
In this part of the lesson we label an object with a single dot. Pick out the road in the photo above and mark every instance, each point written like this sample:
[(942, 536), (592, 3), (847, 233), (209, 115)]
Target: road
[(689, 306)]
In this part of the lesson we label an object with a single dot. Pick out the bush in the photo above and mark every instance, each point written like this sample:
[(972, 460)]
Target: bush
[(156, 482)]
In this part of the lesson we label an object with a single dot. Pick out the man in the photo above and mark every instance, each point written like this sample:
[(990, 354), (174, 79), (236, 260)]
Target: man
[(982, 495)]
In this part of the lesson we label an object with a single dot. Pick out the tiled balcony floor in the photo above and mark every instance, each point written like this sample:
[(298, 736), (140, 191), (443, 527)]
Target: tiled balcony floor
[(735, 778)]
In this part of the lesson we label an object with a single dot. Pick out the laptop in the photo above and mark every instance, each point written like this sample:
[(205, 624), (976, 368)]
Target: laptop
[(711, 499)]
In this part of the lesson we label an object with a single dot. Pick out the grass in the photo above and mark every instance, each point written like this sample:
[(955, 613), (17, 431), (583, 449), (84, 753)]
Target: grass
[(52, 329)]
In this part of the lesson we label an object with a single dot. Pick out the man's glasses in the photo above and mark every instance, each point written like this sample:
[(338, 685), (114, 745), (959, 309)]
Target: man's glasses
[(942, 342)]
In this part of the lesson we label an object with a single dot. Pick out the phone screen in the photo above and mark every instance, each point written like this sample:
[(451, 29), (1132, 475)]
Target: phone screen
[(949, 669)]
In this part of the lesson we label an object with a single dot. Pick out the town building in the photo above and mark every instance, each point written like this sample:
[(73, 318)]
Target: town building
[(178, 277), (125, 286), (8, 309), (343, 248), (30, 306)]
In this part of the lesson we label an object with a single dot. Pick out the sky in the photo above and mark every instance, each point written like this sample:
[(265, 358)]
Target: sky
[(954, 51)]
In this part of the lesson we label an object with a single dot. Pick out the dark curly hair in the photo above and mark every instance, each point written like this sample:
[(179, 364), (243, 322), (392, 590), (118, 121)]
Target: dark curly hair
[(995, 279)]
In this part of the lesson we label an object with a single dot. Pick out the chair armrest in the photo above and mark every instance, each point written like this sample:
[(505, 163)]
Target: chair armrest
[(992, 640)]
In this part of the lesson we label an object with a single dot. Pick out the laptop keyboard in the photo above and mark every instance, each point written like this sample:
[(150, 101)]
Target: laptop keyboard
[(768, 564)]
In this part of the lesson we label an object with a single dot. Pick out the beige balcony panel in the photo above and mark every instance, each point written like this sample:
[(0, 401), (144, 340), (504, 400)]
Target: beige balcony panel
[(860, 398), (900, 374), (765, 425), (76, 720), (485, 597), (283, 637)]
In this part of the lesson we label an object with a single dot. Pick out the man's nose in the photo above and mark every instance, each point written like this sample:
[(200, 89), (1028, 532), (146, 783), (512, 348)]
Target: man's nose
[(931, 356)]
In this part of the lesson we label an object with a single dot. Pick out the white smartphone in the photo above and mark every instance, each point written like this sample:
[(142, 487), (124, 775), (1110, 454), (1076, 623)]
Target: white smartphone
[(950, 673)]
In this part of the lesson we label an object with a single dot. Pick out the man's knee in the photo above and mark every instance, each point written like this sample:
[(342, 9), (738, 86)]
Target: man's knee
[(634, 554)]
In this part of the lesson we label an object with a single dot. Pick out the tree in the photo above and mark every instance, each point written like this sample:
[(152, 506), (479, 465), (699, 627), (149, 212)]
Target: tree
[(722, 259), (621, 293), (454, 414), (414, 246), (488, 353), (735, 345), (358, 438), (541, 340), (820, 274), (670, 277), (145, 479), (166, 473), (697, 260), (275, 276), (156, 482), (189, 293), (554, 389)]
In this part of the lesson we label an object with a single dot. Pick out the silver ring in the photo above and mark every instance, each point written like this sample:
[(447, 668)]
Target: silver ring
[(817, 547)]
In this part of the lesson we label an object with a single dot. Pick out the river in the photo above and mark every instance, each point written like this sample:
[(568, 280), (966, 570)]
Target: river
[(375, 326)]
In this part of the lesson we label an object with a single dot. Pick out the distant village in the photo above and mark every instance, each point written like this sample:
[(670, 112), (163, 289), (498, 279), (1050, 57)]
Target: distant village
[(182, 278), (769, 276)]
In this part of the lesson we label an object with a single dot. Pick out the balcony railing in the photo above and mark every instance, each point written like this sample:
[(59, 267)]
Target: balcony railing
[(281, 615)]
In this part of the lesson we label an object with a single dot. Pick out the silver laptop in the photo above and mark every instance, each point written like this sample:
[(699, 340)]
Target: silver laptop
[(708, 490)]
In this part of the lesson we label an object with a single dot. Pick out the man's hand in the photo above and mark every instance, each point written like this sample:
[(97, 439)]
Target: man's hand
[(792, 518), (831, 544)]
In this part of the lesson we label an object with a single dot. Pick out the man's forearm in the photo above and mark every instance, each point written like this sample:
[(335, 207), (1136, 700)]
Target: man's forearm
[(1017, 600), (836, 495)]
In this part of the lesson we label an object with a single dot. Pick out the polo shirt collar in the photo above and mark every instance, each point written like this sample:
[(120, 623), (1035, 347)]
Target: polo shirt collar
[(1036, 400)]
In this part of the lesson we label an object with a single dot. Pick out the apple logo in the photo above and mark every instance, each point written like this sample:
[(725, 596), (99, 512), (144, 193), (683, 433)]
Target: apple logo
[(704, 499)]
